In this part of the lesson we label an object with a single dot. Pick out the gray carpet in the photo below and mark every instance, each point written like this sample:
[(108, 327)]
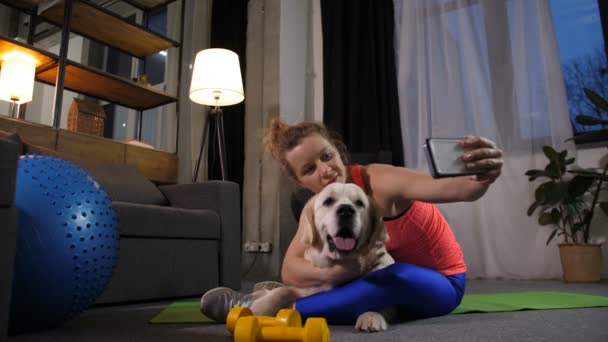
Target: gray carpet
[(129, 322)]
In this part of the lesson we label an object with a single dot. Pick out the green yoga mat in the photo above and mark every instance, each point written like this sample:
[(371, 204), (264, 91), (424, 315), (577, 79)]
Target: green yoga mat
[(188, 312), (181, 312), (499, 302)]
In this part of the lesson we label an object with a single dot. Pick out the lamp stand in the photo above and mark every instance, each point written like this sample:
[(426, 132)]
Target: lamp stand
[(15, 109), (216, 115)]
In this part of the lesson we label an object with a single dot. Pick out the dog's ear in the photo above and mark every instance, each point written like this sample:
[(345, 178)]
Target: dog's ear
[(379, 232), (310, 236)]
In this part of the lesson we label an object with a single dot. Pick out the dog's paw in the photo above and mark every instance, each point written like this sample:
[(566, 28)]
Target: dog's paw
[(371, 322)]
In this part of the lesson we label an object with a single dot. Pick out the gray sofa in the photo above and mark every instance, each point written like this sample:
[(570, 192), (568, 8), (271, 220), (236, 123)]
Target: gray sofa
[(175, 240)]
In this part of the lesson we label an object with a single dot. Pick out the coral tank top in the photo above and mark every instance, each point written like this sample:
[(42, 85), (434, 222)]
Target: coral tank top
[(420, 236)]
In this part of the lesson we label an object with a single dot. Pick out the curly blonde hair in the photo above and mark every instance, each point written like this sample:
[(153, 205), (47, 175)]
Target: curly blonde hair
[(281, 138)]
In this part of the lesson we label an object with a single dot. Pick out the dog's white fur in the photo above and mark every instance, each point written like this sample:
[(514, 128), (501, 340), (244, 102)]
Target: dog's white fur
[(321, 224)]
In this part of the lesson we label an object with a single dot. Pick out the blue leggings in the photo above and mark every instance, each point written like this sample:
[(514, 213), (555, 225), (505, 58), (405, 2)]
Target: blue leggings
[(416, 291)]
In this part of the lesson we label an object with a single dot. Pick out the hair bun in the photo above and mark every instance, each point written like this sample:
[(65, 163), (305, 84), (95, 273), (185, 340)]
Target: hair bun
[(273, 139)]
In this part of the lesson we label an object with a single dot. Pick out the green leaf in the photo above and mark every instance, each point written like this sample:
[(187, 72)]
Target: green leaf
[(590, 136), (590, 173), (533, 174), (533, 207), (555, 192), (547, 219), (587, 120), (551, 154), (540, 193), (556, 214), (569, 161), (552, 170), (579, 185), (596, 99), (551, 237)]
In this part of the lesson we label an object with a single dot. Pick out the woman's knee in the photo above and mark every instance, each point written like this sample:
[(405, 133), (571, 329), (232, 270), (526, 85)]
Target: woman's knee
[(408, 275)]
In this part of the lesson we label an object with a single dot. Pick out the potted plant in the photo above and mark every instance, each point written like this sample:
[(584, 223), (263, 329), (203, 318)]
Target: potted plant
[(567, 200)]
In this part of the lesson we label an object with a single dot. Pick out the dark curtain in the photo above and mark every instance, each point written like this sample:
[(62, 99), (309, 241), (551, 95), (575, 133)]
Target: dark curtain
[(360, 84), (228, 31)]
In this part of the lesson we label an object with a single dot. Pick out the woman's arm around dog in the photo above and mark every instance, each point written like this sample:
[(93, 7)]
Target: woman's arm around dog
[(299, 272)]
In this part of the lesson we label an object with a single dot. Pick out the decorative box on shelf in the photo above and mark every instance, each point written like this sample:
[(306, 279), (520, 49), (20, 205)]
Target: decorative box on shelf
[(86, 117)]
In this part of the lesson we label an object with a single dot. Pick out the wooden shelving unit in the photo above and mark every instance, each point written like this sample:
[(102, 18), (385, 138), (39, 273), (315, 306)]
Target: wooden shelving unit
[(28, 6), (105, 86), (158, 166), (148, 4), (99, 24), (44, 59), (90, 81)]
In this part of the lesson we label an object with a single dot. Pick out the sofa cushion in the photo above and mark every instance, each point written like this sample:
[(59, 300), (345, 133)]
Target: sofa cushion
[(153, 269), (124, 183), (162, 222)]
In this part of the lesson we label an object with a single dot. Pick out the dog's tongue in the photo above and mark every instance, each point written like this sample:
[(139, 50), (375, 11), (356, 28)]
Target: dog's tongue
[(344, 244)]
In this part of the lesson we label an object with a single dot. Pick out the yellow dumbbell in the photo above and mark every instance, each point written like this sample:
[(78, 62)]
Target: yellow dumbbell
[(285, 318), (248, 329)]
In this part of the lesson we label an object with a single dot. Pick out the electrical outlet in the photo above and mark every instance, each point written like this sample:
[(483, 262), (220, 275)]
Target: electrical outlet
[(257, 247), (251, 247), (265, 247)]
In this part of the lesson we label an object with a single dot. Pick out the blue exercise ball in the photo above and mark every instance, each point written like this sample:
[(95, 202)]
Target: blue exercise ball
[(67, 243)]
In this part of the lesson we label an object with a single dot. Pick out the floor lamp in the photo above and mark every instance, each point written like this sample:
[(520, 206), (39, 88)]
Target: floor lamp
[(17, 79), (217, 82)]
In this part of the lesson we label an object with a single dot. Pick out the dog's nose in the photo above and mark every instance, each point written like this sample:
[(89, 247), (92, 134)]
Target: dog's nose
[(345, 210)]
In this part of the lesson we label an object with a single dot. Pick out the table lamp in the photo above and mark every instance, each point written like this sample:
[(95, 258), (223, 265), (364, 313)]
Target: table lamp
[(17, 79)]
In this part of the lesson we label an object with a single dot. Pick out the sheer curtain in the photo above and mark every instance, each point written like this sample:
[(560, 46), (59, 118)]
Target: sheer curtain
[(489, 68)]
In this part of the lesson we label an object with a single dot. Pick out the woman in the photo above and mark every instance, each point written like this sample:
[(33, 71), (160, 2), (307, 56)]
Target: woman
[(428, 278)]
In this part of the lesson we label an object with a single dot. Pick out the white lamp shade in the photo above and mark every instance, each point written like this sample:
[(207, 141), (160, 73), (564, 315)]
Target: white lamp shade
[(216, 78), (17, 77)]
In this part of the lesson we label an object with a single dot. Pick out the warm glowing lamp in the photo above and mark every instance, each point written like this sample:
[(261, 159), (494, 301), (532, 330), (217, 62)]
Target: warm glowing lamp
[(17, 79), (216, 81)]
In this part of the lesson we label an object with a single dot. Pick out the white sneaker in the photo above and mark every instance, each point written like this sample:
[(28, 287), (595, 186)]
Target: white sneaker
[(267, 285), (216, 303)]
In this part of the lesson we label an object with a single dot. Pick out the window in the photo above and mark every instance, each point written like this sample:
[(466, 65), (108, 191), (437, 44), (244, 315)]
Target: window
[(127, 124), (155, 64), (152, 119), (579, 27)]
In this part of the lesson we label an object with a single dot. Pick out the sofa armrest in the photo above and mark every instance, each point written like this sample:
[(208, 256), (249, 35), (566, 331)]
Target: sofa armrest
[(9, 156), (10, 150), (224, 198)]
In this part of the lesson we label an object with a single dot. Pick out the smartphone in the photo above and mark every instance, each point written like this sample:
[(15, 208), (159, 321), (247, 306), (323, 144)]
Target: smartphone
[(444, 157)]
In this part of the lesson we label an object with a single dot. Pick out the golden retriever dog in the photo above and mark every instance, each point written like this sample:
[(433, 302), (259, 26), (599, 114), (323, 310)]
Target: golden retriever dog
[(341, 222)]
